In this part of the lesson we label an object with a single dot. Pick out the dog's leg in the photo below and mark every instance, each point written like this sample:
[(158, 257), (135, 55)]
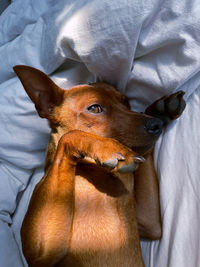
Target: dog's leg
[(147, 204), (46, 229), (166, 108)]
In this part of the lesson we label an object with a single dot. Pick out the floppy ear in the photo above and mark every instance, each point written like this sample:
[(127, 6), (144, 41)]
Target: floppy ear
[(44, 93)]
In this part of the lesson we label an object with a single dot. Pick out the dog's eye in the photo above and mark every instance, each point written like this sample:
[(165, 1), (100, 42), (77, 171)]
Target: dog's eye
[(95, 108)]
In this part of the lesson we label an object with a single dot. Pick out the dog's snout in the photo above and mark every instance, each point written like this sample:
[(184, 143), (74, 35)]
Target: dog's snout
[(154, 126)]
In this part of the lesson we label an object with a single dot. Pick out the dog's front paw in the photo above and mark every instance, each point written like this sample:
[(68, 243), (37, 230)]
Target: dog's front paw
[(167, 108), (117, 158), (106, 152)]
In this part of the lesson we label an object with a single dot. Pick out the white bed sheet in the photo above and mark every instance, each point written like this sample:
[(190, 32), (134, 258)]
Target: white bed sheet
[(146, 49)]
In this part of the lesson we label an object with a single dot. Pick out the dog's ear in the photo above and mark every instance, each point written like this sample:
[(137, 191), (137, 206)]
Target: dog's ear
[(44, 93)]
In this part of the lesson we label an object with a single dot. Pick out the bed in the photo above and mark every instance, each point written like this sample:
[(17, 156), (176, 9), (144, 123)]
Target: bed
[(147, 49)]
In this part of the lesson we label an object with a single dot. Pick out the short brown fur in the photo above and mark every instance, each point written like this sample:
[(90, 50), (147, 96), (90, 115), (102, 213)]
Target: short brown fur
[(83, 211)]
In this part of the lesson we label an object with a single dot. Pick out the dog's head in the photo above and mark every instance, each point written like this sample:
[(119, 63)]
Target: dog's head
[(96, 108)]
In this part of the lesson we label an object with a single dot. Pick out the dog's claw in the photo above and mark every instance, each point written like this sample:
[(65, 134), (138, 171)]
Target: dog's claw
[(120, 156), (139, 159), (98, 162), (80, 156), (127, 168)]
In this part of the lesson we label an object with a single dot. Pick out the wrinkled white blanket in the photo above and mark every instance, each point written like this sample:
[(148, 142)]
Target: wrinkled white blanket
[(147, 49)]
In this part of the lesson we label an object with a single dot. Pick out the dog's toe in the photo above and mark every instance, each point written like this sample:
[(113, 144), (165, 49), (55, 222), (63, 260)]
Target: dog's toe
[(175, 105), (127, 168), (111, 163), (132, 166)]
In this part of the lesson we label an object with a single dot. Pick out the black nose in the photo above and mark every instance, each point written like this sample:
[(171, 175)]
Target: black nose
[(154, 126)]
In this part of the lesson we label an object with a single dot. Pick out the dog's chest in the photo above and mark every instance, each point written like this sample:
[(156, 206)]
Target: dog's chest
[(96, 219), (101, 234)]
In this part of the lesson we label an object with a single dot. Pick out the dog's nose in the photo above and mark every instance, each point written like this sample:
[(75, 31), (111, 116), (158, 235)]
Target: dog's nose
[(154, 126)]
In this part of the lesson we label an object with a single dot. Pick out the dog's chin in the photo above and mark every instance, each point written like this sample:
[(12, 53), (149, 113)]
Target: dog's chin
[(142, 150)]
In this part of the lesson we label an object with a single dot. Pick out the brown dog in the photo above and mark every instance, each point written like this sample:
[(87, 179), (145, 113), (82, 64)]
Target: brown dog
[(83, 212)]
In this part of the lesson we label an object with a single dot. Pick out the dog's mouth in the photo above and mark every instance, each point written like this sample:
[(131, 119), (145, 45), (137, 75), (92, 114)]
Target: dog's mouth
[(142, 150)]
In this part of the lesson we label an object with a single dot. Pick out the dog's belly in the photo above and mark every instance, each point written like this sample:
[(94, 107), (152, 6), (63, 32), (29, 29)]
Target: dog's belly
[(101, 234)]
